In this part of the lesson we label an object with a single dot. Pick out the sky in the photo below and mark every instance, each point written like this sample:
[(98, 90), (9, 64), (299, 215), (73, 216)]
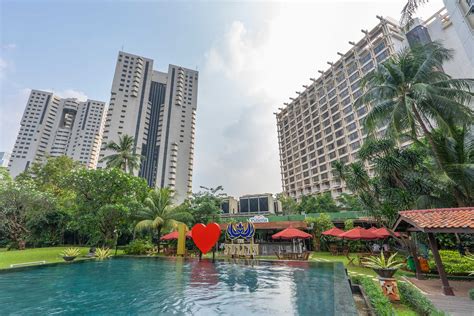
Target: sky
[(251, 56)]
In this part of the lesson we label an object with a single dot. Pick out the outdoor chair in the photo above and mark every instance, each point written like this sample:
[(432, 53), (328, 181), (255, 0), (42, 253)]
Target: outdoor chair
[(333, 249)]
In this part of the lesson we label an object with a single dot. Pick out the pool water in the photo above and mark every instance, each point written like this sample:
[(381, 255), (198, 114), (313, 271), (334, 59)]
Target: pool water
[(177, 287)]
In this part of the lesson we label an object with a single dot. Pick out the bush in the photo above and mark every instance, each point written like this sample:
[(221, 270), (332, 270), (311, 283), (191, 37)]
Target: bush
[(137, 247), (378, 300), (453, 263), (471, 294), (413, 298)]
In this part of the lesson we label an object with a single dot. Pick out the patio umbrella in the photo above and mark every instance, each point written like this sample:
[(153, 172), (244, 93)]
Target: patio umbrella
[(335, 232), (372, 229), (359, 233), (384, 233), (174, 236), (291, 233)]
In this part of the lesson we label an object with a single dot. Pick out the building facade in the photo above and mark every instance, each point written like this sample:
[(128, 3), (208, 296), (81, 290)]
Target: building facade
[(4, 159), (230, 205), (158, 109), (321, 125), (52, 126)]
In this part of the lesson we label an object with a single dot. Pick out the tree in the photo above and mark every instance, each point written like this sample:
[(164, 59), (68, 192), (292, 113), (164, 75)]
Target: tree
[(350, 202), (409, 10), (321, 203), (125, 157), (410, 91), (18, 203), (94, 189), (205, 205), (288, 204), (113, 219), (320, 224), (159, 213)]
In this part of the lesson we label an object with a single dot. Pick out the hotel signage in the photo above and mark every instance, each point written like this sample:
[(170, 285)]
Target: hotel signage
[(258, 219)]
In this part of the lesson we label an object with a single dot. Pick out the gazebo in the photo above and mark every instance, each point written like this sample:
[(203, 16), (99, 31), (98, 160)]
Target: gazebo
[(432, 221)]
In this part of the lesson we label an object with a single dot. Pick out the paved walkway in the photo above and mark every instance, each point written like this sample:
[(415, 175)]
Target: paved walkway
[(459, 305)]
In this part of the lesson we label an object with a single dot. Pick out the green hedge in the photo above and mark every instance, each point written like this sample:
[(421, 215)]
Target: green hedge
[(137, 247), (412, 297), (379, 302), (453, 263)]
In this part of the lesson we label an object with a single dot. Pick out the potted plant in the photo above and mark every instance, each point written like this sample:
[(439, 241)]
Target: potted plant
[(385, 268), (70, 254)]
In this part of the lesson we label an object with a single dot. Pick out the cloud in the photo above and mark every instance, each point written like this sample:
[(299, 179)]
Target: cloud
[(9, 46), (3, 67)]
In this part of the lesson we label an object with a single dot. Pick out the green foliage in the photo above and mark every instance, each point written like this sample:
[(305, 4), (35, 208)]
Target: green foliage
[(109, 193), (350, 202), (124, 157), (379, 262), (348, 224), (378, 300), (205, 205), (453, 263), (321, 203), (288, 204), (471, 294), (159, 213), (152, 252), (103, 253), (71, 252), (321, 223), (138, 247), (412, 297)]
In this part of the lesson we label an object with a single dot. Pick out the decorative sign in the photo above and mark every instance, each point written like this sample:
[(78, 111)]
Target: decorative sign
[(205, 237), (258, 219), (241, 250), (240, 230)]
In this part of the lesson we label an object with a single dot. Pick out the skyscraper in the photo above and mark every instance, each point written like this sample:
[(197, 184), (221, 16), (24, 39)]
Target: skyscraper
[(52, 126), (158, 109), (4, 159), (321, 125)]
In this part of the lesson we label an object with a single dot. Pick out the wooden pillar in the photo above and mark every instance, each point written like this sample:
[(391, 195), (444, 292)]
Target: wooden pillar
[(411, 245), (447, 290)]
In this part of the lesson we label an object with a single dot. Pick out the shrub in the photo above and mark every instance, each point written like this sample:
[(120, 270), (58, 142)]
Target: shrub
[(138, 247), (412, 297), (471, 294), (453, 263), (71, 252), (103, 253), (378, 300)]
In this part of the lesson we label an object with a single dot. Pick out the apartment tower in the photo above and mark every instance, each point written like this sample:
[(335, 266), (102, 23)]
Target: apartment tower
[(321, 125), (54, 126), (158, 109)]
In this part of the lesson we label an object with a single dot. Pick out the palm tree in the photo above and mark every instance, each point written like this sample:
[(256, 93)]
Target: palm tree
[(410, 92), (409, 10), (159, 213), (124, 157)]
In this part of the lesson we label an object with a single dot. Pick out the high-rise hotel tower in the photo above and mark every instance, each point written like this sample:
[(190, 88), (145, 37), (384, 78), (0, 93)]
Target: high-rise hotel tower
[(52, 126), (321, 125), (158, 109)]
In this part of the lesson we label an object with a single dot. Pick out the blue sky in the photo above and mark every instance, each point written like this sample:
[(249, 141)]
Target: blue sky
[(251, 56)]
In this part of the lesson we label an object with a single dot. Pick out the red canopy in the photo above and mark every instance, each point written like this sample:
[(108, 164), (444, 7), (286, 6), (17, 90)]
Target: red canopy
[(174, 235), (291, 233), (384, 233), (359, 233), (372, 229), (333, 232)]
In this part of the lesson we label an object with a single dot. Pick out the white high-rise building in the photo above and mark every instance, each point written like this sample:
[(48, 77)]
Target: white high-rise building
[(320, 125), (52, 126), (4, 159), (158, 109)]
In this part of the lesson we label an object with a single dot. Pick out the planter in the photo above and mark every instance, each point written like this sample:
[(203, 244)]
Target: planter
[(69, 258), (385, 273)]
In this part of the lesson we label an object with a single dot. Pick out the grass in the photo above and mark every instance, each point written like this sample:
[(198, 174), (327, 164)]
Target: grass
[(403, 310), (49, 254)]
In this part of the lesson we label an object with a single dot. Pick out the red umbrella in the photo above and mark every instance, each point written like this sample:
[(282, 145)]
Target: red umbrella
[(174, 235), (291, 233), (372, 229), (384, 233), (333, 232), (359, 233)]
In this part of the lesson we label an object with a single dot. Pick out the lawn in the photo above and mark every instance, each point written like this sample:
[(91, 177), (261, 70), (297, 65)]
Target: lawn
[(51, 254)]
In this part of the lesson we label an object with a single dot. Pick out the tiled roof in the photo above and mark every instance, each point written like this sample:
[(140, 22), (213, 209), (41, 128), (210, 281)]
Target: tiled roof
[(439, 219)]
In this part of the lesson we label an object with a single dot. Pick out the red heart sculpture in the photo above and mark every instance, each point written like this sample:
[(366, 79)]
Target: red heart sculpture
[(205, 237)]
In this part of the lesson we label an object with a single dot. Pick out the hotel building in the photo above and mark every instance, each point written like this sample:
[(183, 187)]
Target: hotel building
[(321, 125), (52, 126), (158, 109)]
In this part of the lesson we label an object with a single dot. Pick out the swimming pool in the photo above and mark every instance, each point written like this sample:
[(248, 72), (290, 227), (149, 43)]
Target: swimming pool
[(181, 287)]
